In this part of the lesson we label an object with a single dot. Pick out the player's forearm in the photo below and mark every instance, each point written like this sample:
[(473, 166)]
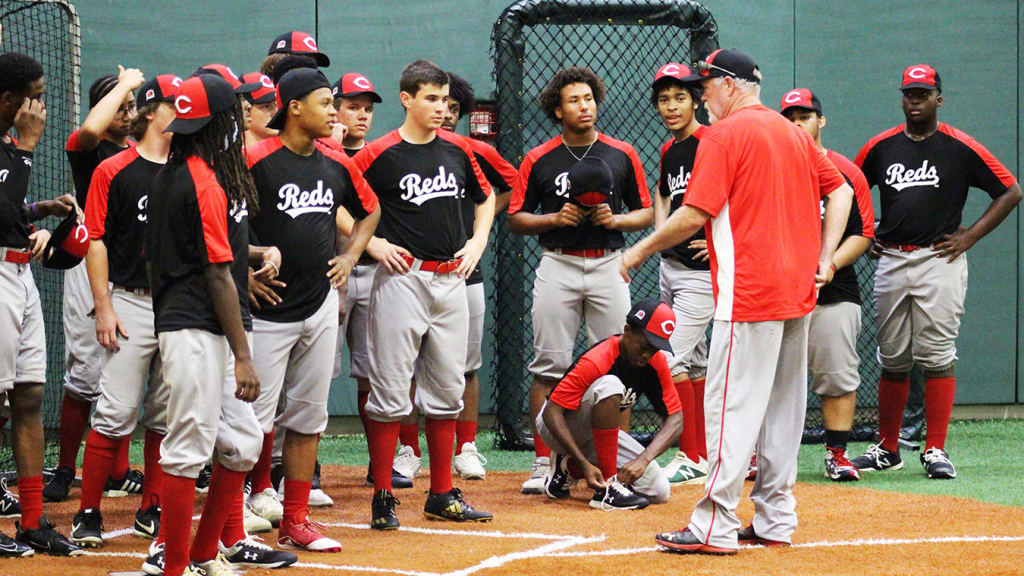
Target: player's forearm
[(256, 254), (682, 224), (837, 211), (361, 232), (661, 208), (849, 251), (483, 218), (344, 221), (101, 116), (554, 419), (668, 433), (97, 267), (634, 220), (529, 224), (996, 212), (224, 298), (501, 202)]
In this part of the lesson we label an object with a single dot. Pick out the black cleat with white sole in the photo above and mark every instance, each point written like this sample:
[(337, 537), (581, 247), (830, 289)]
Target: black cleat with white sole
[(47, 540)]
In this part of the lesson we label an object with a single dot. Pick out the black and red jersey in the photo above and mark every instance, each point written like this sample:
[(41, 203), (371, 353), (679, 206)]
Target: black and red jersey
[(421, 188), (861, 222), (501, 175), (653, 379), (299, 199), (676, 167), (15, 166), (351, 152), (84, 162), (191, 224), (923, 185), (543, 182)]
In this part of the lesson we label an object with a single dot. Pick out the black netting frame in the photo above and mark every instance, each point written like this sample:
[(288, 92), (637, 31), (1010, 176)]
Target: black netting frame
[(48, 30)]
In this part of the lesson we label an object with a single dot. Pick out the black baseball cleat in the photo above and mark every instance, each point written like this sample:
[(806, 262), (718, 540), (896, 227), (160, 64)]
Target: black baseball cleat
[(383, 508), (615, 496), (878, 458), (686, 542), (154, 563), (397, 480), (450, 506), (203, 481), (47, 540), (747, 537), (937, 464), (147, 522), (558, 482), (58, 488), (9, 505), (87, 528), (121, 487), (9, 548), (251, 553)]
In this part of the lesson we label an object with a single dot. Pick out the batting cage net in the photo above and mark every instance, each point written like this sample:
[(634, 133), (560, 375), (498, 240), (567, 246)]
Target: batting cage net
[(624, 42), (48, 30)]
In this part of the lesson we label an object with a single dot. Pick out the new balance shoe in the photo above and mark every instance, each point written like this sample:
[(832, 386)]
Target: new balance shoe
[(219, 566), (147, 522), (559, 482), (58, 488), (306, 536), (407, 463), (253, 523), (383, 510), (681, 470), (203, 481), (47, 540), (87, 528), (450, 506), (752, 468), (686, 542), (317, 497), (615, 496), (397, 480), (9, 505), (9, 548), (251, 553), (538, 472), (937, 464), (154, 562), (121, 487), (266, 505), (746, 537), (838, 467), (878, 458), (469, 462)]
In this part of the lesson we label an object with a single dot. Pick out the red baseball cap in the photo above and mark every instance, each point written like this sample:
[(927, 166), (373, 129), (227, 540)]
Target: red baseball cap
[(799, 98), (680, 72), (354, 84), (921, 76), (300, 43), (229, 75), (199, 99), (68, 244), (657, 320), (265, 94), (163, 88)]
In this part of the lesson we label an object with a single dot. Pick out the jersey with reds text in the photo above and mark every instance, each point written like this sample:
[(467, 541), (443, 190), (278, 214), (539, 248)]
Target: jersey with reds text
[(843, 287), (653, 379), (421, 188), (116, 213), (761, 178), (15, 166), (191, 224), (299, 199), (923, 185), (502, 177), (84, 162), (543, 182), (676, 167)]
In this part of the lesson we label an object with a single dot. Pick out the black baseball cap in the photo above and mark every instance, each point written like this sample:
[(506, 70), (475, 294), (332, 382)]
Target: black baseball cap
[(229, 75), (199, 99), (729, 62), (800, 98), (354, 84), (293, 86), (68, 244), (656, 319), (295, 42), (921, 76), (590, 181), (163, 88)]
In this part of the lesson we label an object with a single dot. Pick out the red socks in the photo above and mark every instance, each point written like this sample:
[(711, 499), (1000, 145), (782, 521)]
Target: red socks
[(234, 525), (383, 438), (296, 500), (260, 473), (539, 447), (225, 491), (698, 417), (892, 399), (30, 492), (120, 469), (152, 485), (409, 435), (938, 407), (74, 421), (688, 437), (178, 498), (606, 444), (361, 399), (440, 435), (464, 432), (97, 463)]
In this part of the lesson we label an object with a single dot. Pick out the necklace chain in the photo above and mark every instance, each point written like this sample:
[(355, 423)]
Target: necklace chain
[(585, 152)]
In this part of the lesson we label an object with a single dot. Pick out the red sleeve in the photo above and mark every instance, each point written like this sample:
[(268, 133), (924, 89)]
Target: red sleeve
[(330, 143), (711, 182), (72, 144), (96, 201), (500, 165), (641, 178), (596, 362), (861, 194), (482, 183), (990, 174), (366, 195), (262, 149), (213, 212), (668, 390), (829, 177), (515, 203)]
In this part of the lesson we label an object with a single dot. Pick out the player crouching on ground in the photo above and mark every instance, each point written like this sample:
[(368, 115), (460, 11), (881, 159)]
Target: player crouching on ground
[(580, 419)]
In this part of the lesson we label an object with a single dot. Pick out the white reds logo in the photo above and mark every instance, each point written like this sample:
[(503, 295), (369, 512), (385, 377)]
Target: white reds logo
[(628, 399), (295, 201), (183, 104), (362, 82), (266, 82), (143, 205), (176, 82), (281, 43), (150, 94), (668, 327), (238, 211), (3, 175), (562, 185), (670, 70), (917, 73), (791, 97), (310, 43), (81, 229), (417, 189), (899, 176), (677, 184)]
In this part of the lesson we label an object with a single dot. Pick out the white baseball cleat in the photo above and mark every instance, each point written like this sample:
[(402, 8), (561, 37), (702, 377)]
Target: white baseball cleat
[(408, 463), (469, 463), (535, 483)]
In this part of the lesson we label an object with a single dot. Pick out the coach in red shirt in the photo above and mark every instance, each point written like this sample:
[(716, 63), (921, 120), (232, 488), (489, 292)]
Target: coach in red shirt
[(757, 186)]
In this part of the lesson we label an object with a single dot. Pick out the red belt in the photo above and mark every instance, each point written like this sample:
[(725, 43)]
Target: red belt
[(437, 266), (902, 247), (17, 256), (135, 291), (586, 252)]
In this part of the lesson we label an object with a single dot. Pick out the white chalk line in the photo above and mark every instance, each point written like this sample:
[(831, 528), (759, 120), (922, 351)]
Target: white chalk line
[(446, 532), (126, 531)]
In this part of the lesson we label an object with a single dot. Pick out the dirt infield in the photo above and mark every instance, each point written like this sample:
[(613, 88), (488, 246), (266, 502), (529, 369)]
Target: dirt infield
[(843, 530)]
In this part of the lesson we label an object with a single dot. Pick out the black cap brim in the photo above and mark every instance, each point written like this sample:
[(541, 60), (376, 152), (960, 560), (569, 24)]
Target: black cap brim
[(321, 59), (914, 85), (265, 99), (277, 122), (54, 256), (658, 342), (187, 125), (248, 88)]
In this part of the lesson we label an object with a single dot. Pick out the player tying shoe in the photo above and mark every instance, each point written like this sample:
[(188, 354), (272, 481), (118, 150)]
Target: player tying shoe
[(832, 357), (301, 184), (103, 133), (577, 278), (580, 419), (684, 272), (418, 312), (116, 218), (923, 169)]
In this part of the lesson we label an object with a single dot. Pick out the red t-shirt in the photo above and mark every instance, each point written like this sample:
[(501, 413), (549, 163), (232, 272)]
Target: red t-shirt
[(761, 178)]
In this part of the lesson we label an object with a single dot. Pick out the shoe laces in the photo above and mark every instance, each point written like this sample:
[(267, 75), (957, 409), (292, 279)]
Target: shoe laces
[(539, 465), (876, 451), (933, 455), (475, 453), (613, 489), (839, 457), (256, 542)]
